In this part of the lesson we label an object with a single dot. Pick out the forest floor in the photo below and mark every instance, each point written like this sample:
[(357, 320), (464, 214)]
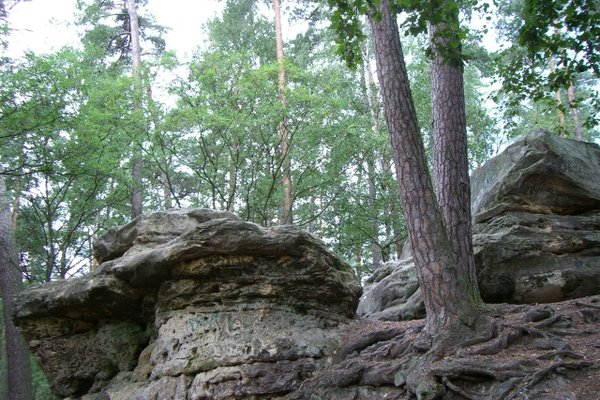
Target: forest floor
[(540, 351), (570, 334)]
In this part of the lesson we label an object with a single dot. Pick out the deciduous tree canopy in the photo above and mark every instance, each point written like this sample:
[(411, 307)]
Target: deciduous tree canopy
[(117, 122)]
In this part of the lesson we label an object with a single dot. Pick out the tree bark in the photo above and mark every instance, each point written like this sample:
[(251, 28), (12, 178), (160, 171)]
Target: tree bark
[(447, 293), (17, 354), (286, 214), (376, 253), (574, 111), (561, 114), (450, 153), (136, 166), (367, 84)]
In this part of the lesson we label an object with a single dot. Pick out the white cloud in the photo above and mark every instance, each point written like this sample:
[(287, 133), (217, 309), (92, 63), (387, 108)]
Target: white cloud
[(41, 26), (44, 26)]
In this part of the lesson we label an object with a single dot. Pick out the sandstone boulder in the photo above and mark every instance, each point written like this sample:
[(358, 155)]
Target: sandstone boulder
[(536, 210), (191, 304), (541, 174), (392, 293)]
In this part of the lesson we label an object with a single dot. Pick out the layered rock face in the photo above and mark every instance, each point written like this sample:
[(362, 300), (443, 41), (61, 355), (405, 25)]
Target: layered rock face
[(536, 210), (192, 304)]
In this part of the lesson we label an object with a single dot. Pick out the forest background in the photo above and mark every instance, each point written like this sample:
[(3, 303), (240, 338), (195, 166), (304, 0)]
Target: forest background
[(86, 132)]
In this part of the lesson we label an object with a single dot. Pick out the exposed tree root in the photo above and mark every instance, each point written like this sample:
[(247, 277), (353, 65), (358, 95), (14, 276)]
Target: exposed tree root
[(527, 353), (457, 389), (597, 307), (539, 328), (533, 378)]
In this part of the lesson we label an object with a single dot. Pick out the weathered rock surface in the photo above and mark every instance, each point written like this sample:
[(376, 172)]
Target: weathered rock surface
[(538, 258), (392, 293), (536, 210), (192, 304), (541, 174)]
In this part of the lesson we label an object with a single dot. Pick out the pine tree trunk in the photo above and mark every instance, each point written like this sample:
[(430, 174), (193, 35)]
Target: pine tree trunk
[(450, 154), (17, 354), (136, 167), (447, 293), (286, 214)]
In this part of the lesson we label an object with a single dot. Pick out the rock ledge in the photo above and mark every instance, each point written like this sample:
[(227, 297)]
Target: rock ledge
[(192, 304)]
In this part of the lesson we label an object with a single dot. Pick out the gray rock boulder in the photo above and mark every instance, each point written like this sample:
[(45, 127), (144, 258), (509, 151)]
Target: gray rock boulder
[(537, 221), (538, 258), (541, 174), (392, 293), (536, 210), (191, 304)]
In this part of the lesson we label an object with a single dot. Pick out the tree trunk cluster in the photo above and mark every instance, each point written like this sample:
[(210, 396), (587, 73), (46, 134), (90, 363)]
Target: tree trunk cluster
[(438, 221)]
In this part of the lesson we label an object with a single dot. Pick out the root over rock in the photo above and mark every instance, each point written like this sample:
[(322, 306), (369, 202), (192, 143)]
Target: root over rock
[(527, 352)]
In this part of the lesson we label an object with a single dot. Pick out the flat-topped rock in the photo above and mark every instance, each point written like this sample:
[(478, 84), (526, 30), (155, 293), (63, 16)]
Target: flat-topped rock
[(192, 296), (543, 174), (150, 230)]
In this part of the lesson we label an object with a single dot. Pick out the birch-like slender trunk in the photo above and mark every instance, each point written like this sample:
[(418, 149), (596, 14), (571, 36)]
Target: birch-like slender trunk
[(136, 164), (286, 212), (571, 94), (559, 102)]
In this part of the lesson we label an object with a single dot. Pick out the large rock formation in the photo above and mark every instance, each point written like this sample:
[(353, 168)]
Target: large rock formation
[(198, 304), (192, 304), (536, 210), (540, 174)]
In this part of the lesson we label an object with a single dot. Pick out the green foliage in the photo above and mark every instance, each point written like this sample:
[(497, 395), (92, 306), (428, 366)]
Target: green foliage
[(347, 24), (417, 15), (553, 46), (108, 37), (225, 133), (69, 130), (60, 172), (568, 29), (41, 386)]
